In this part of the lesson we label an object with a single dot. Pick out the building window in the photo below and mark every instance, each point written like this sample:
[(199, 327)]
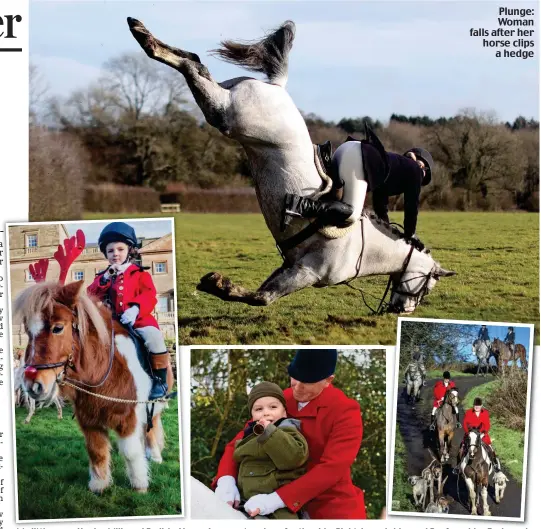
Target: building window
[(163, 304), (160, 268), (78, 275), (31, 240), (28, 276)]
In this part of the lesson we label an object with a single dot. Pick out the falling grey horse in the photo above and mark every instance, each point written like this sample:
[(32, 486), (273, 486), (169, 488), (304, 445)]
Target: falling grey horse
[(483, 352), (263, 118), (414, 376)]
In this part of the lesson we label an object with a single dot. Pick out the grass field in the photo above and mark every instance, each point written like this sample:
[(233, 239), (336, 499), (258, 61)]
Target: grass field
[(496, 256), (508, 443), (52, 472)]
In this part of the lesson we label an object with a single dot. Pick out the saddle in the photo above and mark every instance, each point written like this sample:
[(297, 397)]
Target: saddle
[(143, 354)]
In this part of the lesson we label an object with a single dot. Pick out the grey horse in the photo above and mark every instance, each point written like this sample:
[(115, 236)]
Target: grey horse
[(483, 352), (263, 118), (414, 376)]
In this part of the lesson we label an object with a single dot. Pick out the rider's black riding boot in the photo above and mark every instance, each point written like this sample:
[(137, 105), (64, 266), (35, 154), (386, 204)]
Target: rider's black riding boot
[(457, 414), (334, 213), (159, 380), (433, 423)]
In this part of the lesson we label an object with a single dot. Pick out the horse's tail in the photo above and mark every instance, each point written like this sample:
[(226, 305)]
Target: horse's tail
[(269, 55)]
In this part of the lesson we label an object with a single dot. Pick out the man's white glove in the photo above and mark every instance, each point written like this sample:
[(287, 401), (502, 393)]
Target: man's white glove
[(130, 315), (263, 504), (482, 435), (227, 491)]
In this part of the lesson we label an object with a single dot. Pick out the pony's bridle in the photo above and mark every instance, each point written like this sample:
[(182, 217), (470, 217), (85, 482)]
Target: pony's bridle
[(69, 364)]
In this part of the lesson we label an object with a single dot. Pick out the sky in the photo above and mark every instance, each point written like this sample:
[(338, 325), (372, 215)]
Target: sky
[(354, 59), (143, 228)]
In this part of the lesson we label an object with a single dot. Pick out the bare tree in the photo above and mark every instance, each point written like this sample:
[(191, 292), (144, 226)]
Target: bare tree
[(38, 93), (480, 153)]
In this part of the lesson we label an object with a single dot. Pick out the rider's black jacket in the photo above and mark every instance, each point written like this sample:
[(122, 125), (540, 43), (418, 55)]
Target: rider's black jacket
[(403, 176)]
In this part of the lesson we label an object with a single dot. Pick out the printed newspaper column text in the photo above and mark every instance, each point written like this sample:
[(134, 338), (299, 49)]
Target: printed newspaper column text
[(514, 35)]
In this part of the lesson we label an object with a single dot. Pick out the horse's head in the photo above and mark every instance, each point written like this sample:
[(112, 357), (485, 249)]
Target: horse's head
[(452, 396), (420, 275), (473, 441), (56, 319)]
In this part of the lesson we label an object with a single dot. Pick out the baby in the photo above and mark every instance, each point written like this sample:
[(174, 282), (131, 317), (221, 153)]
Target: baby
[(272, 452)]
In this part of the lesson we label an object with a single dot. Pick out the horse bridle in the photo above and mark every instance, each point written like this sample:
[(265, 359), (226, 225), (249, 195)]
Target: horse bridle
[(68, 363)]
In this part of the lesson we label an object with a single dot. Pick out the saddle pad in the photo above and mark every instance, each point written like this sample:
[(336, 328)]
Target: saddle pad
[(334, 232)]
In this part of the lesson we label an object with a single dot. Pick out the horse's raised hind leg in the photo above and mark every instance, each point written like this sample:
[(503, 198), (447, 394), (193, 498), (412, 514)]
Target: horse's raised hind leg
[(98, 448), (282, 282), (212, 99), (131, 446)]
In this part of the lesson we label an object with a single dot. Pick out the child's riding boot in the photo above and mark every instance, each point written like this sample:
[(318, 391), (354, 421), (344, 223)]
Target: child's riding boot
[(160, 362), (433, 423)]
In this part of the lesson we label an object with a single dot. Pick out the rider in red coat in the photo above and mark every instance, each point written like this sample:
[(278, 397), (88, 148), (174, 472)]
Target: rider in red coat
[(131, 293), (332, 426), (478, 417), (441, 387)]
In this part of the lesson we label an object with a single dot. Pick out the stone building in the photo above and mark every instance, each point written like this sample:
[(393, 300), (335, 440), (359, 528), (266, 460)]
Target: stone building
[(30, 243)]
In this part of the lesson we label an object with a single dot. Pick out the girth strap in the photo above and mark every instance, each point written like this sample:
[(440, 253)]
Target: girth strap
[(304, 234)]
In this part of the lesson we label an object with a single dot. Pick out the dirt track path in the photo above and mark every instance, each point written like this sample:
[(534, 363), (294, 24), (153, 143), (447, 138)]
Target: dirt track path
[(414, 427)]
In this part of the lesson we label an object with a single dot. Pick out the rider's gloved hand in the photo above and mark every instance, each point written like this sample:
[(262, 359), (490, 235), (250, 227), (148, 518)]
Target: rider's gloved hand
[(227, 491), (110, 272), (130, 315), (263, 504)]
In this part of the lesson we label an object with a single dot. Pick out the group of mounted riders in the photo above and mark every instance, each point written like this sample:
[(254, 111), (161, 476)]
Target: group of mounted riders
[(477, 417), (509, 339)]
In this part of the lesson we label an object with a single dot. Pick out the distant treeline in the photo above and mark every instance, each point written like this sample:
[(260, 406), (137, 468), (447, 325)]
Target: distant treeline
[(134, 127)]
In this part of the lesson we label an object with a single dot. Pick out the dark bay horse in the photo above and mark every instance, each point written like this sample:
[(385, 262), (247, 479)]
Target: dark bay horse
[(72, 339), (446, 423)]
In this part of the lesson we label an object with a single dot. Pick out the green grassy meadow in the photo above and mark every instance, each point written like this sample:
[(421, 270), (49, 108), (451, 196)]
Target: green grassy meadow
[(496, 256), (52, 472), (508, 443)]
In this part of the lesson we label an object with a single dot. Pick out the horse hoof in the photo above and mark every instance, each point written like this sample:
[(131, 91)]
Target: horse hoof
[(141, 491)]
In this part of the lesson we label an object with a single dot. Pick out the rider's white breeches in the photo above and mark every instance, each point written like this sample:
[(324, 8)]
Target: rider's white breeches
[(153, 339), (348, 161)]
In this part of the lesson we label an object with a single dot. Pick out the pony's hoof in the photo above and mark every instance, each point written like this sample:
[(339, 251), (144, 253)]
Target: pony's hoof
[(487, 513), (98, 486), (141, 491)]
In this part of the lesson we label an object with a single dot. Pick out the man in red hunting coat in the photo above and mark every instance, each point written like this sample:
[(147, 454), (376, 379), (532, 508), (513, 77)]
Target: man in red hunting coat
[(333, 428), (441, 387), (478, 417)]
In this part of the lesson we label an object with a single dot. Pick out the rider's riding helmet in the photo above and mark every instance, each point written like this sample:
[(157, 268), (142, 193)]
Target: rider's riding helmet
[(478, 401), (117, 232), (426, 157), (511, 328), (447, 375)]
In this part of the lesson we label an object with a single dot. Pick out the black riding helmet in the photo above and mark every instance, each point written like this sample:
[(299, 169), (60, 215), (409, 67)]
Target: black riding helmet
[(117, 232), (424, 155), (447, 375)]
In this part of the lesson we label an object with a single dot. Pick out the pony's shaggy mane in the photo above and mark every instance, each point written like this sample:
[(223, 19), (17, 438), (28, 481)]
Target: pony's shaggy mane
[(41, 297)]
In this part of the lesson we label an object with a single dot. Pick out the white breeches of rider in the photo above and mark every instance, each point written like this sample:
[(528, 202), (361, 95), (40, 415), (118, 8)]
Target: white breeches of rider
[(348, 160), (153, 339)]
